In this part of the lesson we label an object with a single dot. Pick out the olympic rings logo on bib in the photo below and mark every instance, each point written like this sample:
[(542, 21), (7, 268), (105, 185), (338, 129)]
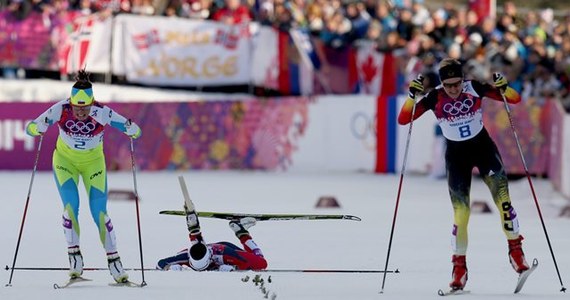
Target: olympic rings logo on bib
[(458, 107), (79, 127)]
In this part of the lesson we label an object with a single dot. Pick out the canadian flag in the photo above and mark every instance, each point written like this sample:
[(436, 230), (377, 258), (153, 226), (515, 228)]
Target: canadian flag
[(87, 45), (376, 71)]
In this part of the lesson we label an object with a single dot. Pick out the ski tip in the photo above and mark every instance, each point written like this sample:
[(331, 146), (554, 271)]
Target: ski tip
[(450, 292), (128, 284), (352, 218), (535, 262)]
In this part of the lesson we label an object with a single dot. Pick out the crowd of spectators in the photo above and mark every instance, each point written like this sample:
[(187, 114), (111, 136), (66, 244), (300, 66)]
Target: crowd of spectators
[(532, 48)]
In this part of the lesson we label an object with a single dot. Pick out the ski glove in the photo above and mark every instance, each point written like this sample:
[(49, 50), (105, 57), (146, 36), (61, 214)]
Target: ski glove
[(500, 81), (416, 86), (132, 129), (226, 268), (33, 130), (177, 267)]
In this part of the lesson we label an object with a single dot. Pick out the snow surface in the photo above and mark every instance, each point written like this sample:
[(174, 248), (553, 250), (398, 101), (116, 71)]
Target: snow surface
[(420, 250)]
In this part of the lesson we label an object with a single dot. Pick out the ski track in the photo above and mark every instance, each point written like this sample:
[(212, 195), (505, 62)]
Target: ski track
[(420, 248)]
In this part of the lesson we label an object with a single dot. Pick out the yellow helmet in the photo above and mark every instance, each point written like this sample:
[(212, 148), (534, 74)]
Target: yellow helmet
[(81, 97)]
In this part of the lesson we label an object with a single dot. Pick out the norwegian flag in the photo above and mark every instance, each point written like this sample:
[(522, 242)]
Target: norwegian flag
[(145, 40), (77, 50)]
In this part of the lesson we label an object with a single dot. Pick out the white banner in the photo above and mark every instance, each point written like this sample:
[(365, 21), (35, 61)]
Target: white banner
[(340, 135), (265, 70), (421, 155), (181, 52)]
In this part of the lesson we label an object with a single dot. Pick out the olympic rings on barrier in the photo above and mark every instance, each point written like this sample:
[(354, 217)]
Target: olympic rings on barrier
[(363, 126)]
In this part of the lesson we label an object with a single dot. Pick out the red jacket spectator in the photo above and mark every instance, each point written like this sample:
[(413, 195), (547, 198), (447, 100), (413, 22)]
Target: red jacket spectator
[(233, 13)]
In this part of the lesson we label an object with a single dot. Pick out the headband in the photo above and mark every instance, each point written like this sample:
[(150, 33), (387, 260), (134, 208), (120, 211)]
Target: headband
[(450, 71)]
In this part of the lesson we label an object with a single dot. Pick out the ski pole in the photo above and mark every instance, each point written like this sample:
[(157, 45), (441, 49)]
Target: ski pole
[(402, 171), (397, 271), (563, 289), (26, 208), (134, 168)]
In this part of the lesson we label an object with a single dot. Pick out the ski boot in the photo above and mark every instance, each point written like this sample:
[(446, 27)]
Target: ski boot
[(516, 255), (240, 227), (116, 268), (192, 220), (75, 262), (459, 273)]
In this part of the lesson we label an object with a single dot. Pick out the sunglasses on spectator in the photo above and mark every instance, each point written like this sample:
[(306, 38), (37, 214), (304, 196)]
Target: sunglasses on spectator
[(453, 84)]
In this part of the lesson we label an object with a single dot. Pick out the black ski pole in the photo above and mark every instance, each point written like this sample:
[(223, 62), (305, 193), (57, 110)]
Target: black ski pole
[(397, 271), (402, 171), (134, 168), (25, 209), (563, 289)]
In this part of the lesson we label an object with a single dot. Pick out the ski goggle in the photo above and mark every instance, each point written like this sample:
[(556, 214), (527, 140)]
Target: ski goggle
[(81, 97)]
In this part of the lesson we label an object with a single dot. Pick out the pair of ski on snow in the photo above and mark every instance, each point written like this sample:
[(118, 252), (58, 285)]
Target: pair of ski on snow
[(520, 282), (79, 279)]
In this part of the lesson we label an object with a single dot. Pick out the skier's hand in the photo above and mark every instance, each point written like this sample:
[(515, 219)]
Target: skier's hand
[(500, 81), (33, 129), (226, 268), (177, 267), (132, 129), (36, 129), (416, 86)]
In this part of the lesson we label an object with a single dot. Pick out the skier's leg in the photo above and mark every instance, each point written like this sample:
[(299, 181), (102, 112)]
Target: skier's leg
[(459, 170), (459, 184), (497, 181), (240, 228), (241, 259), (66, 178), (180, 259), (95, 180)]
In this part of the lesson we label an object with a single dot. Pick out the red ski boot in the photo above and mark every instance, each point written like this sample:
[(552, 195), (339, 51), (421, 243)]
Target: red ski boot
[(459, 273), (516, 255)]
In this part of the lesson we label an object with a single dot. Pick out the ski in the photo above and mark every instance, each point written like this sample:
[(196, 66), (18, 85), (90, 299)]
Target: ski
[(261, 217), (127, 284), (70, 282), (524, 275), (452, 292), (187, 201)]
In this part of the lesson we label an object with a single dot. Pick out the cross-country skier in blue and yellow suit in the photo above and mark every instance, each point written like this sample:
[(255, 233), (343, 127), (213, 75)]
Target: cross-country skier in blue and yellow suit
[(456, 104), (79, 152)]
